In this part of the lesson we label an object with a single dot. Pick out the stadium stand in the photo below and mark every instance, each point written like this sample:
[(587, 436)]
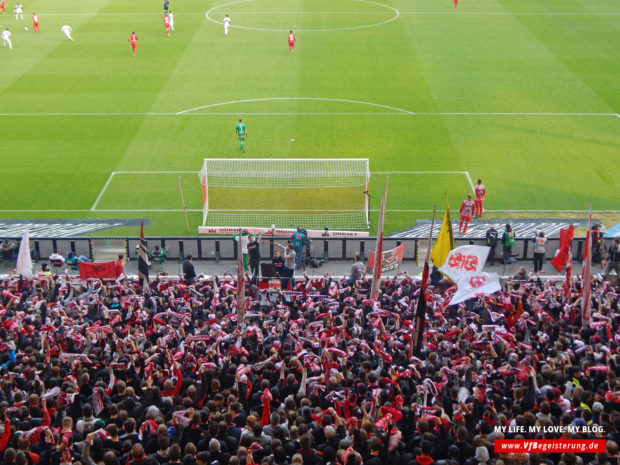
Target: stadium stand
[(112, 373)]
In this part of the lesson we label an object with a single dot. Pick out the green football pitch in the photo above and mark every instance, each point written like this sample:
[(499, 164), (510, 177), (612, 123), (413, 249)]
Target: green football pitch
[(523, 94)]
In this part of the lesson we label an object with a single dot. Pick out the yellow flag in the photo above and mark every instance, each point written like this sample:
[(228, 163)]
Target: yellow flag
[(445, 239)]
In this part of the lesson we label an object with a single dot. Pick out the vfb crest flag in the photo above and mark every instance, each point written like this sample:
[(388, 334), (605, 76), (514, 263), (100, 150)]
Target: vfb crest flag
[(390, 259), (464, 260), (475, 284)]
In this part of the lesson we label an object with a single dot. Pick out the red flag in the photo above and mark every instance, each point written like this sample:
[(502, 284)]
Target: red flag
[(376, 275), (564, 252), (240, 283), (390, 259), (586, 274), (143, 259), (566, 286), (105, 270), (420, 313)]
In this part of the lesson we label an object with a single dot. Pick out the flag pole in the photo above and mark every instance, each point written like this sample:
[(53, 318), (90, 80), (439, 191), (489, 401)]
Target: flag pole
[(143, 259), (240, 282), (376, 271), (419, 320), (183, 201), (586, 274)]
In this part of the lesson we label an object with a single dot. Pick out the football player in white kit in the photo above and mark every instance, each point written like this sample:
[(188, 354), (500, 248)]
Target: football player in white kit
[(6, 38), (67, 30), (226, 21), (19, 11)]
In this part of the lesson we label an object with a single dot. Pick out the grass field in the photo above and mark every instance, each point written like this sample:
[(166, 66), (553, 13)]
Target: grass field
[(524, 95)]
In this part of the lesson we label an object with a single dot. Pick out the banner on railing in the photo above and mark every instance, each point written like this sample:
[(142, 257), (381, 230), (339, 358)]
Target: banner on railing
[(391, 260)]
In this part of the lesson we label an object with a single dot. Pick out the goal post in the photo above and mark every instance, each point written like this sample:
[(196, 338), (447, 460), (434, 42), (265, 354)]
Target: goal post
[(285, 192)]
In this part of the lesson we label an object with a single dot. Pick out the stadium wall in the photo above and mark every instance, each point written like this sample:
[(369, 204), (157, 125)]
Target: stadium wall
[(224, 247)]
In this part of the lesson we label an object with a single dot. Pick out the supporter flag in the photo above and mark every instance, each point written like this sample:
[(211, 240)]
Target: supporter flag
[(103, 270), (474, 285), (420, 314), (445, 239), (24, 262), (240, 283), (566, 285), (390, 259), (464, 260), (143, 259), (376, 274), (563, 253), (586, 274)]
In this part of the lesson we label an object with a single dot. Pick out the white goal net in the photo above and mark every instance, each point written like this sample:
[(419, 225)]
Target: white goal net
[(313, 193)]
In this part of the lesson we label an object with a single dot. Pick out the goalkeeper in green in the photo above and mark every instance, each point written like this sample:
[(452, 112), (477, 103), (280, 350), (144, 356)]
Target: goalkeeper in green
[(242, 133)]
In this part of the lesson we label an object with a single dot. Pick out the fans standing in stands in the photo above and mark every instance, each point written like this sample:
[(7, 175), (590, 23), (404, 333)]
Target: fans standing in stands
[(189, 273), (8, 250), (253, 249), (288, 270), (540, 242), (508, 240), (491, 238), (597, 242), (56, 259), (322, 376), (357, 270), (278, 264), (298, 239), (612, 258)]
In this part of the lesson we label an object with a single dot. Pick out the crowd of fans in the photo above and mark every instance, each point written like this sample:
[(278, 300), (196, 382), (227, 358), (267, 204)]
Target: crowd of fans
[(115, 373)]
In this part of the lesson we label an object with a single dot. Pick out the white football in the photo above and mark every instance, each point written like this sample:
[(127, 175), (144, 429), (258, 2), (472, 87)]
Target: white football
[(25, 29)]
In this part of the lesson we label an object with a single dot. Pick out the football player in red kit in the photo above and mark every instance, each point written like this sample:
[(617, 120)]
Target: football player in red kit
[(480, 192), (467, 208), (133, 39), (291, 42), (167, 24)]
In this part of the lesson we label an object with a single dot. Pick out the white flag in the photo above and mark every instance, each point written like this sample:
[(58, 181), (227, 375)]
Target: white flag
[(24, 263), (475, 284), (464, 261)]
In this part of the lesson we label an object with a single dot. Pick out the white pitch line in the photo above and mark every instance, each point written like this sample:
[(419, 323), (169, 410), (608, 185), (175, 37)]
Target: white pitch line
[(156, 172), (340, 113), (399, 112), (148, 210), (105, 186), (369, 2), (418, 172), (504, 13), (508, 211), (466, 173), (469, 179), (138, 210), (512, 114), (321, 99), (416, 13)]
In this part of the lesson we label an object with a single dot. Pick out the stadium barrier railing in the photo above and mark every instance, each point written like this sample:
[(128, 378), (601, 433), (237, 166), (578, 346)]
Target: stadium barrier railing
[(224, 247)]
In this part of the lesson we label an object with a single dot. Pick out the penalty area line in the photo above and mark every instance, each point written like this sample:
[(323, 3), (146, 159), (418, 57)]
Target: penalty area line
[(113, 173), (105, 186)]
